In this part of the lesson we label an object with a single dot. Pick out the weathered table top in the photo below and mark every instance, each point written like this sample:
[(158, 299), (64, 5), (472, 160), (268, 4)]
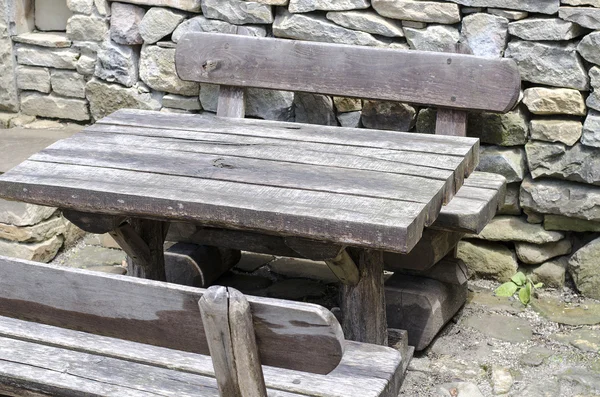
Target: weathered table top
[(365, 188)]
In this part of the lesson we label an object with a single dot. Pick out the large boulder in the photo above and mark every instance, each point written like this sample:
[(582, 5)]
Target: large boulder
[(584, 267), (551, 196), (108, 98), (549, 63), (486, 35), (318, 28), (577, 163), (488, 260), (157, 70), (421, 11)]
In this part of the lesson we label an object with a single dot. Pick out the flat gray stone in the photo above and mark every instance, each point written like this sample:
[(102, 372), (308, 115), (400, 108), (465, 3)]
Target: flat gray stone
[(593, 100), (33, 78), (539, 6), (551, 196), (586, 340), (535, 356), (584, 267), (548, 29), (367, 21), (593, 3), (93, 256), (591, 129), (107, 98), (550, 63), (559, 222), (86, 28), (556, 130), (509, 162), (589, 48), (566, 313), (534, 254), (326, 5), (53, 106), (86, 65), (270, 104), (577, 163), (317, 28), (350, 119), (588, 17), (433, 38), (551, 273), (43, 251), (488, 260), (59, 58), (157, 70), (511, 205), (420, 11), (202, 24), (506, 328), (384, 115), (181, 102), (486, 35), (514, 228), (35, 233), (44, 39), (9, 99), (68, 83), (117, 63), (186, 5), (50, 15), (314, 109), (159, 22), (125, 22), (511, 15), (238, 12)]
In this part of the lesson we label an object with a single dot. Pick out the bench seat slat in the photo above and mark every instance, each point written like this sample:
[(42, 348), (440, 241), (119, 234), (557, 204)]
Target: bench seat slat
[(364, 371), (447, 80), (162, 314)]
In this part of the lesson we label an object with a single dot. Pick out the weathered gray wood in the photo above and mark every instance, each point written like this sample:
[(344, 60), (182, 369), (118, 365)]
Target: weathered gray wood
[(163, 314), (474, 205), (449, 270), (198, 265), (143, 241), (232, 102), (447, 80), (344, 268), (363, 305), (451, 122), (365, 370), (433, 246), (245, 352), (214, 306), (94, 223)]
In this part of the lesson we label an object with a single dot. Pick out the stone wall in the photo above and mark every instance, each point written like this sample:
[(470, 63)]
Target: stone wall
[(120, 54)]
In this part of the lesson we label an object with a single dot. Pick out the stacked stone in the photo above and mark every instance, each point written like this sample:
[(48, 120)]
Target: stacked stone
[(121, 54), (33, 232)]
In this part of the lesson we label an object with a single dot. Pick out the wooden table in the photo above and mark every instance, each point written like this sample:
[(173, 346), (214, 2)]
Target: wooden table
[(325, 187)]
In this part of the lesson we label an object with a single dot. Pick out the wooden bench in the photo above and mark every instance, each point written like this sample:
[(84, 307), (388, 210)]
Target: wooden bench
[(341, 195), (68, 332)]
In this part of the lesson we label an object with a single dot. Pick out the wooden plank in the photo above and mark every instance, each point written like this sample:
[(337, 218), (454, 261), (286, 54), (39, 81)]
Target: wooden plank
[(451, 122), (474, 205), (446, 80), (363, 304), (378, 223), (147, 311), (232, 102), (365, 370)]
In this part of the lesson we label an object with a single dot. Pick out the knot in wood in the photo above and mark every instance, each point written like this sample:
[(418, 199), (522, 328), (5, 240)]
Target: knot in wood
[(209, 65)]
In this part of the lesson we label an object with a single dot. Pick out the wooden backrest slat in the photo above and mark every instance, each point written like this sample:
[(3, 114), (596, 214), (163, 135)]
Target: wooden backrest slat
[(446, 80), (291, 335)]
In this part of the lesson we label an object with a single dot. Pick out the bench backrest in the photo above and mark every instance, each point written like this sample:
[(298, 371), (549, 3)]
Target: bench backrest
[(291, 335), (448, 80)]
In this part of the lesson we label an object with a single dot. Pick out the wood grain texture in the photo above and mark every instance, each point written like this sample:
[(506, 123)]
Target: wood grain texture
[(232, 102), (94, 223), (365, 370), (163, 314), (451, 122), (363, 304), (445, 80)]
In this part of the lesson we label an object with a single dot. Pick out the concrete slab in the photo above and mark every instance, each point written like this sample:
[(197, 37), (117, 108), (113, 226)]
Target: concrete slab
[(18, 144)]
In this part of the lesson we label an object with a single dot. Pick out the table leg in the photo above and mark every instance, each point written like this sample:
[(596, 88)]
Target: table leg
[(143, 241), (363, 305)]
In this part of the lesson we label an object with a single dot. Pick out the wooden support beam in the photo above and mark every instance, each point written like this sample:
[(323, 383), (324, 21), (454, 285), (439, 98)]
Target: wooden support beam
[(363, 305), (232, 343), (143, 241), (94, 223)]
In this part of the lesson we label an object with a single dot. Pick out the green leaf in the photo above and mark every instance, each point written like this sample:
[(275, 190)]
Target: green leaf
[(538, 285), (519, 279), (506, 289), (525, 294)]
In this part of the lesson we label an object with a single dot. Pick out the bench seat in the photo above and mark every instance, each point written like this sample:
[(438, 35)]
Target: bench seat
[(45, 359)]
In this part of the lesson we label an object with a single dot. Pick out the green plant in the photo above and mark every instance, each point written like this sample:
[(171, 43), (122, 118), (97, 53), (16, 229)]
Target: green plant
[(521, 284)]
